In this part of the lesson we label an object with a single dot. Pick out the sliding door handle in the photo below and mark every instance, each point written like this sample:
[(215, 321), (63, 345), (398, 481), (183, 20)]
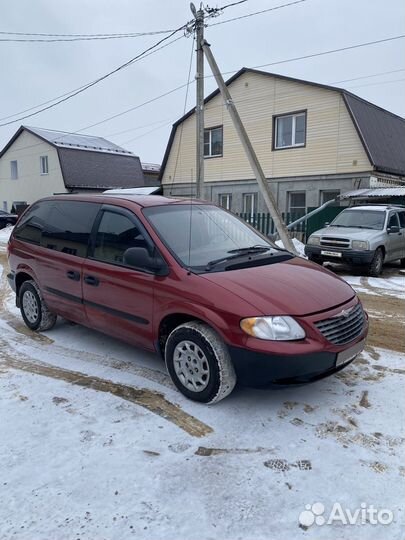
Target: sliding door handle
[(92, 280)]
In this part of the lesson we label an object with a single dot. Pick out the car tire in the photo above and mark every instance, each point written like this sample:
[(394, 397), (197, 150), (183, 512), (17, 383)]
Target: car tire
[(376, 265), (402, 262), (34, 311), (199, 363)]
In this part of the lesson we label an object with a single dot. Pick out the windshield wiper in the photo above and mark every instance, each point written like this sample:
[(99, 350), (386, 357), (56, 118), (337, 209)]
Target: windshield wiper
[(237, 253), (250, 249)]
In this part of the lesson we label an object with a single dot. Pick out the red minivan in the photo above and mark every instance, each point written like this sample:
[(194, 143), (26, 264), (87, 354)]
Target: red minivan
[(190, 280)]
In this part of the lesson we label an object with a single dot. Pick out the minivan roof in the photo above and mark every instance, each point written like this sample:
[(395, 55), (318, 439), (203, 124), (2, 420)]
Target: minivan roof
[(141, 200)]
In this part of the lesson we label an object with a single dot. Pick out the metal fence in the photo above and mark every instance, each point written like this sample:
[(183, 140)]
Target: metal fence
[(264, 223)]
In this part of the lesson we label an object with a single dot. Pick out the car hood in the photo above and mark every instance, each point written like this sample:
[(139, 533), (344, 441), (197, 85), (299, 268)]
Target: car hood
[(295, 287), (353, 233)]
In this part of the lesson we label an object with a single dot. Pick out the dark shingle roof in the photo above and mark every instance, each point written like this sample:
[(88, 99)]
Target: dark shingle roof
[(95, 170), (381, 132), (88, 161)]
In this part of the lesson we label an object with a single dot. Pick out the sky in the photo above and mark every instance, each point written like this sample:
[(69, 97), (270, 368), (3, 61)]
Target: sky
[(32, 73)]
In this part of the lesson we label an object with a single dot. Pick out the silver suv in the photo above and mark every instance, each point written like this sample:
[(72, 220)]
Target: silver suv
[(361, 235)]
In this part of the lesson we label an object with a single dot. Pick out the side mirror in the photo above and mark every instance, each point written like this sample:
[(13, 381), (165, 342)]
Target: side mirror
[(393, 230), (139, 257)]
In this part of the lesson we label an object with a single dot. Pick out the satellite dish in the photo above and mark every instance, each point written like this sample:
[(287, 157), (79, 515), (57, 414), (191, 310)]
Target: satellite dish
[(193, 10)]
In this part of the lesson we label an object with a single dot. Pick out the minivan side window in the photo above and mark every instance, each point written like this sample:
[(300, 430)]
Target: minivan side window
[(68, 226), (401, 216), (30, 228), (116, 233)]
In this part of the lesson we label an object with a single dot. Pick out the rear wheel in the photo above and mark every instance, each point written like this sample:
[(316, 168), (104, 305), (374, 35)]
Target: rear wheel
[(34, 311), (376, 265), (199, 363)]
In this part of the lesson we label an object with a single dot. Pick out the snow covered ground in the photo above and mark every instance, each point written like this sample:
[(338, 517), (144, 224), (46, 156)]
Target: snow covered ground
[(95, 443)]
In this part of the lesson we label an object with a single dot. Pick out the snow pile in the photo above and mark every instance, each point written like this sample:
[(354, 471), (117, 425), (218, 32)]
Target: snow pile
[(5, 234), (299, 246)]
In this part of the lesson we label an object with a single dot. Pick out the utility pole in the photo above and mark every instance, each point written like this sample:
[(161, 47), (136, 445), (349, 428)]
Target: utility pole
[(250, 153), (199, 30)]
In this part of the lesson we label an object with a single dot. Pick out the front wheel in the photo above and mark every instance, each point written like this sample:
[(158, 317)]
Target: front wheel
[(34, 311), (199, 363), (376, 265)]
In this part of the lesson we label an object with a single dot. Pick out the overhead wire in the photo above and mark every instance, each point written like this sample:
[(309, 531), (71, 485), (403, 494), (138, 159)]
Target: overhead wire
[(136, 58)]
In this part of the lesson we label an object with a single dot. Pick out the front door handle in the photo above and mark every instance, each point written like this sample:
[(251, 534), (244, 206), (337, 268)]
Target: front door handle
[(92, 280), (72, 274)]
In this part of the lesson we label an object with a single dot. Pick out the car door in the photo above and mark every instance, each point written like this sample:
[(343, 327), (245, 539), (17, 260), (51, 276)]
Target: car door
[(65, 238), (394, 239), (118, 298), (401, 216)]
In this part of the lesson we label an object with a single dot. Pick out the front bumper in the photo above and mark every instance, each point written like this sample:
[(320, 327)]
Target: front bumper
[(261, 370), (349, 256), (11, 281)]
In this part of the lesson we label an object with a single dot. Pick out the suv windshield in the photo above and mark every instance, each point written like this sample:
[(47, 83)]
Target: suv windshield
[(204, 237), (361, 219)]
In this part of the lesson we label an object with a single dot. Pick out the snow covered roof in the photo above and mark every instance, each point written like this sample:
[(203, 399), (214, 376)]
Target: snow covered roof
[(63, 139), (376, 192), (150, 167)]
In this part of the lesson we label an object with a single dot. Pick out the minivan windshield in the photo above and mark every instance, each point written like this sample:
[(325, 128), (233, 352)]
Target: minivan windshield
[(360, 219), (205, 237)]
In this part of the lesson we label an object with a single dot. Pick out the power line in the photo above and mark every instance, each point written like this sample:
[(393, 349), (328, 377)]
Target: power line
[(141, 55), (368, 76), (258, 12), (86, 35), (377, 83), (313, 55), (70, 39)]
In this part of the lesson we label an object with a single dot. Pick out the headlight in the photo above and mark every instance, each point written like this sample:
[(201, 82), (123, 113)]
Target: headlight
[(314, 240), (360, 244), (279, 328)]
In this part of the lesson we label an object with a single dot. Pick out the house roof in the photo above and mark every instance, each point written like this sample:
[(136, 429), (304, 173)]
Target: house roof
[(89, 162), (381, 132)]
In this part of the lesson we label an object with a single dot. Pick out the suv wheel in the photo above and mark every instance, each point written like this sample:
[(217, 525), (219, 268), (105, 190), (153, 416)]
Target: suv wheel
[(199, 363), (34, 311), (375, 267)]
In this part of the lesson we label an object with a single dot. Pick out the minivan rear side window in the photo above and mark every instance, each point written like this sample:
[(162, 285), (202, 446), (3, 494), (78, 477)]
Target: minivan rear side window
[(29, 229), (68, 226)]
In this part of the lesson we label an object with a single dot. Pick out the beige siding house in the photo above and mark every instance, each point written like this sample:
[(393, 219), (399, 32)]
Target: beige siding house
[(37, 163), (313, 142)]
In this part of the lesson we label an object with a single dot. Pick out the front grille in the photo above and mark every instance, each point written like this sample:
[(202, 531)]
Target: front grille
[(330, 241), (343, 329)]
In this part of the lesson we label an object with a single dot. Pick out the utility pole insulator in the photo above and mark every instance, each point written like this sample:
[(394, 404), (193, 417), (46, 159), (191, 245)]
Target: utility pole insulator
[(249, 150)]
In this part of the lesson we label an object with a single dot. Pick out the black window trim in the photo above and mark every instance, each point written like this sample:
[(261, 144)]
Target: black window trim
[(211, 128), (274, 123), (152, 248)]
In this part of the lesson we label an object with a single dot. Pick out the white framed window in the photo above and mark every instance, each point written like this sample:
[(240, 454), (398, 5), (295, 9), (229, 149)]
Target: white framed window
[(289, 130), (213, 142), (329, 195), (43, 165), (225, 200), (297, 204), (250, 203), (14, 169)]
